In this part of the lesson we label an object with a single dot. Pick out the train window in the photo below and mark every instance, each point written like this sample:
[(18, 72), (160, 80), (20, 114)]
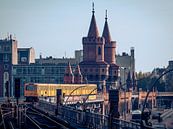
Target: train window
[(30, 87)]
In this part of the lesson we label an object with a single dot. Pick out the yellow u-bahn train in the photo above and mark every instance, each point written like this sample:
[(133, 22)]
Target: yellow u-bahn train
[(33, 91)]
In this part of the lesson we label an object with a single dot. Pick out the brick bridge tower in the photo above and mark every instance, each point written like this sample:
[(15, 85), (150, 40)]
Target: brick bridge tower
[(93, 67), (109, 56)]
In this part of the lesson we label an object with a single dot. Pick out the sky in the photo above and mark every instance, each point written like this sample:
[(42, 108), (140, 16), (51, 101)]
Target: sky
[(56, 27)]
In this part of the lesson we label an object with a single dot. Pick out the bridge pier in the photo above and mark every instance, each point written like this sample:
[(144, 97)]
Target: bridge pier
[(113, 107), (58, 100)]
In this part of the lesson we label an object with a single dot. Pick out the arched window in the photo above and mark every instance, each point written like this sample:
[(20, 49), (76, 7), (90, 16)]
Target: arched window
[(99, 51)]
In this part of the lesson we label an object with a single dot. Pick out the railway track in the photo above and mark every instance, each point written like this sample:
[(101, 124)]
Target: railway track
[(40, 120)]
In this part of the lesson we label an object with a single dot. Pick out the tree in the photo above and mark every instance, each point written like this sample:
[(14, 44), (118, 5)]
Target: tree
[(146, 81)]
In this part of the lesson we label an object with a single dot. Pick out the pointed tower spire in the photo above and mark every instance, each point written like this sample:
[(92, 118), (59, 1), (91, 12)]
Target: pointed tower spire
[(68, 76), (106, 33), (77, 70), (93, 30), (77, 75), (68, 69)]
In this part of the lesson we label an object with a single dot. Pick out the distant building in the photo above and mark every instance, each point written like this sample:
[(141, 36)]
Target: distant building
[(11, 55), (126, 62), (8, 57), (26, 55), (55, 61), (79, 56), (63, 60)]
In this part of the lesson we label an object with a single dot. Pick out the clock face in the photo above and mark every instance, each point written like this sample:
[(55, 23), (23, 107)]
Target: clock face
[(23, 59)]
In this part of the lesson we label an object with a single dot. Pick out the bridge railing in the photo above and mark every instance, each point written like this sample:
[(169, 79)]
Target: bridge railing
[(85, 119), (70, 114), (96, 121), (88, 119), (119, 123)]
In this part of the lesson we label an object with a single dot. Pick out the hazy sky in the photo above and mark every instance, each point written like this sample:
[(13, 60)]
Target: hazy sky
[(56, 27)]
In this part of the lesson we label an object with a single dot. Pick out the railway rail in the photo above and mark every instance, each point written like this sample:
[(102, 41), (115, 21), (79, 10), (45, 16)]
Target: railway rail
[(25, 116), (41, 121)]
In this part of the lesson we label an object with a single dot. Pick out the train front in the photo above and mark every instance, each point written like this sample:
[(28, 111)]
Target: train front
[(30, 92)]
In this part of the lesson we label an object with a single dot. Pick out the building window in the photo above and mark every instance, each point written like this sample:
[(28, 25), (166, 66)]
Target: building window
[(103, 70), (99, 51), (6, 58), (6, 67)]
